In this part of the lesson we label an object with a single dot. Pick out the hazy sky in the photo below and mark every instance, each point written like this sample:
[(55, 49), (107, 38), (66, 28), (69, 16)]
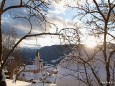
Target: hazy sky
[(58, 14)]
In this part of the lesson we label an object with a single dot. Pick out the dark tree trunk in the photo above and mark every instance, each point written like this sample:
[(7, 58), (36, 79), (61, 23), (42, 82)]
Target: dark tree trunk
[(2, 82)]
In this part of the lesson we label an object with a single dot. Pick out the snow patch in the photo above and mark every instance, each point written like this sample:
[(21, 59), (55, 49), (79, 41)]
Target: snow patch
[(22, 83)]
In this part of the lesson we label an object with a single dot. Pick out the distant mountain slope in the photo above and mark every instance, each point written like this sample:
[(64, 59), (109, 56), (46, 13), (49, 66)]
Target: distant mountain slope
[(50, 54)]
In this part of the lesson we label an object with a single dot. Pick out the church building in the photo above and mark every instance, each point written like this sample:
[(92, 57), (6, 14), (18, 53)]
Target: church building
[(33, 71)]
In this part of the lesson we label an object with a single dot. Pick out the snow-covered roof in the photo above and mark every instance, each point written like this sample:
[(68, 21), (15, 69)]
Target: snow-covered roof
[(30, 67)]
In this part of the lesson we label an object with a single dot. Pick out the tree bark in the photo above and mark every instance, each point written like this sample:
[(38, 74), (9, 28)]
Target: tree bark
[(2, 82), (105, 55), (0, 49), (0, 42)]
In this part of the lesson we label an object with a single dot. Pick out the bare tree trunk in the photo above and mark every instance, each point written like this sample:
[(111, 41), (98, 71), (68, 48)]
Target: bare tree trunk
[(105, 56), (2, 82), (107, 74), (0, 43)]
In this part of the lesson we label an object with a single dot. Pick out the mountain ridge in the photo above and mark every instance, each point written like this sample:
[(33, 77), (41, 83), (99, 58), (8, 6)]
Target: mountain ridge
[(50, 54)]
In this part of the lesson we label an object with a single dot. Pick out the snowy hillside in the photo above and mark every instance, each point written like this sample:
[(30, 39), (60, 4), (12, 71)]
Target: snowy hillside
[(21, 83), (71, 71)]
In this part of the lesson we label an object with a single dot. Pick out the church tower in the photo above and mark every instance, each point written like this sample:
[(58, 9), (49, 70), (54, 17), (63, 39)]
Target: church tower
[(38, 61), (37, 58)]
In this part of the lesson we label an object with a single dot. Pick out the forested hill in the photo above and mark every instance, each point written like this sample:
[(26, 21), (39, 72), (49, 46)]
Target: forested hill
[(50, 54)]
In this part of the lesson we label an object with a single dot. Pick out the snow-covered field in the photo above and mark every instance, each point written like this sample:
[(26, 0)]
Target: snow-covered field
[(21, 83)]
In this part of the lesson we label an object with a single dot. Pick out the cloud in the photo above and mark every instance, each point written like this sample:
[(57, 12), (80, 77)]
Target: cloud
[(40, 41), (57, 7), (22, 26), (59, 22), (60, 6)]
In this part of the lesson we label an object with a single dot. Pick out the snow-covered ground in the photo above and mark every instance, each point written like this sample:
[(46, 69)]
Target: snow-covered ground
[(21, 83)]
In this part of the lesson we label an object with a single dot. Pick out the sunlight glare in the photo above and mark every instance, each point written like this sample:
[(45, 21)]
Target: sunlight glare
[(90, 43)]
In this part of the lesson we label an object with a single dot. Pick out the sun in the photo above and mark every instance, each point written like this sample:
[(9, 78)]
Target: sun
[(90, 42)]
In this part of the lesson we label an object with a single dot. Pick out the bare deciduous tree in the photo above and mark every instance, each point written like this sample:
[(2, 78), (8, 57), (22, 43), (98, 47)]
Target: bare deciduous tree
[(16, 58), (96, 65), (35, 9)]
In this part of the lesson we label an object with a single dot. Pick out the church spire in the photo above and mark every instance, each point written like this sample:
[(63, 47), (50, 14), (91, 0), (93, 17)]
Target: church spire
[(38, 61), (37, 56)]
